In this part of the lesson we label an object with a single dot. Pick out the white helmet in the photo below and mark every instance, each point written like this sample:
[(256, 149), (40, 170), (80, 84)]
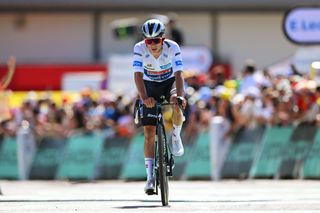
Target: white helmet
[(153, 28)]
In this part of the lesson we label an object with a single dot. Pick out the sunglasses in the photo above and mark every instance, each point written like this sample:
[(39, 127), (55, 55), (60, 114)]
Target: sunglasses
[(153, 40)]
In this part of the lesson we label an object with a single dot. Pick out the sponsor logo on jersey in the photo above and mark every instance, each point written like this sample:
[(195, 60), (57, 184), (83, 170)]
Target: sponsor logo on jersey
[(165, 55), (165, 66), (158, 75), (148, 55), (149, 65), (137, 64), (151, 116), (178, 63), (148, 68)]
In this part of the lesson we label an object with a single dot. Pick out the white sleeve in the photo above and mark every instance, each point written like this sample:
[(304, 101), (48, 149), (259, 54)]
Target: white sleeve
[(137, 59), (177, 64)]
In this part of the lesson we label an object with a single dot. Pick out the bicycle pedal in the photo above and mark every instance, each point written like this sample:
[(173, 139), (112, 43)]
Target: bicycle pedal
[(150, 192)]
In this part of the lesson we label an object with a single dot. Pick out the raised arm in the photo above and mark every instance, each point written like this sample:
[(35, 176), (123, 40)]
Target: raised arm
[(11, 68)]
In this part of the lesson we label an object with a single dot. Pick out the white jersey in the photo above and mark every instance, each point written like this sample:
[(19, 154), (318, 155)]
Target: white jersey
[(162, 68)]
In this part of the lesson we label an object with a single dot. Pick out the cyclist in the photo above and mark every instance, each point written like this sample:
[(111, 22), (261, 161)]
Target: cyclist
[(157, 66)]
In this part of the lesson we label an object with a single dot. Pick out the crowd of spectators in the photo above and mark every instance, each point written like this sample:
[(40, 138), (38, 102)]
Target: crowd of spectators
[(255, 97), (102, 111), (250, 99)]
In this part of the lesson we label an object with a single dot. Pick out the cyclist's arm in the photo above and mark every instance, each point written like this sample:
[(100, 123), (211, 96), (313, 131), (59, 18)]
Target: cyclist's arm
[(138, 71), (177, 66), (179, 83), (11, 68), (138, 78), (180, 89), (148, 101)]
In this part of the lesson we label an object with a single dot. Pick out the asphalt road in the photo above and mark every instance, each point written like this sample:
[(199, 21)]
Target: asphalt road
[(185, 196)]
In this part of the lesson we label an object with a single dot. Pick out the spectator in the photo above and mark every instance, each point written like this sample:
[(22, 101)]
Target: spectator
[(226, 111), (266, 109), (248, 109), (284, 112), (4, 82), (125, 123), (218, 75), (174, 33), (306, 101), (247, 78), (5, 115)]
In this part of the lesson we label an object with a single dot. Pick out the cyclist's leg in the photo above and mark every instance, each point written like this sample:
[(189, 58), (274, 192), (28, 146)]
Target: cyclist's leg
[(149, 135), (149, 121), (177, 120), (177, 115)]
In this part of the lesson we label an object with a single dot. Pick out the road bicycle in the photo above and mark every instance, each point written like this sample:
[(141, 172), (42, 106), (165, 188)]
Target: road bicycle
[(164, 162)]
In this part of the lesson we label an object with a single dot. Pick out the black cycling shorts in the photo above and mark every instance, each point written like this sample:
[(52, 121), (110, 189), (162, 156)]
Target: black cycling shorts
[(160, 91)]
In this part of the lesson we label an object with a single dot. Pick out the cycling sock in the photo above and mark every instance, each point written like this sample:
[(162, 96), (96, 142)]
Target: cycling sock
[(176, 130), (149, 167)]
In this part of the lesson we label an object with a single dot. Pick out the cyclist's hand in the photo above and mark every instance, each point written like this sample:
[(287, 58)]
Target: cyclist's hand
[(179, 100), (149, 102)]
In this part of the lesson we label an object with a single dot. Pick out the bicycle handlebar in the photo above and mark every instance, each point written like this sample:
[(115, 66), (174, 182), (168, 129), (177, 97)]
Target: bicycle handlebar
[(159, 104)]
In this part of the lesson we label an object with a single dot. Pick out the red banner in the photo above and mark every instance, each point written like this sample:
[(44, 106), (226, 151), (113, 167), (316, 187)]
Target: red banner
[(46, 76)]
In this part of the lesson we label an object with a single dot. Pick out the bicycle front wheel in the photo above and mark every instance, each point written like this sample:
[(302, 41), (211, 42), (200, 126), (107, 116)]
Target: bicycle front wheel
[(163, 178)]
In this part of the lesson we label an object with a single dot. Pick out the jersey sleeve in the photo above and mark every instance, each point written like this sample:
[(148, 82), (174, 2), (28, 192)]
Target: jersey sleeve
[(177, 64), (137, 59)]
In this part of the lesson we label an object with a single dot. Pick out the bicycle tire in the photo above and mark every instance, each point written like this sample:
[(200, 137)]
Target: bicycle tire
[(163, 178)]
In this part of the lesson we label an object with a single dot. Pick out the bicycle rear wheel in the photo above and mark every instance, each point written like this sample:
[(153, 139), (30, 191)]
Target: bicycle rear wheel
[(163, 178)]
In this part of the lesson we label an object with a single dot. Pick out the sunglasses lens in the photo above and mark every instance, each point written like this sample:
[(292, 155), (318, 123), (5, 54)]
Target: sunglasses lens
[(153, 40), (157, 40), (148, 41)]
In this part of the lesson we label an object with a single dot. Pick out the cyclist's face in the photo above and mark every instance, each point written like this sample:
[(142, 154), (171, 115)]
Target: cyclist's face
[(154, 44)]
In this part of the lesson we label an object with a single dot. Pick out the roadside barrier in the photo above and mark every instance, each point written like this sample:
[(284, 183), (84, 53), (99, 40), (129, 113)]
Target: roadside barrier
[(273, 152), (112, 158), (242, 153), (47, 159), (198, 166), (81, 157), (311, 165), (269, 156), (8, 159), (133, 165), (296, 151), (180, 163)]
